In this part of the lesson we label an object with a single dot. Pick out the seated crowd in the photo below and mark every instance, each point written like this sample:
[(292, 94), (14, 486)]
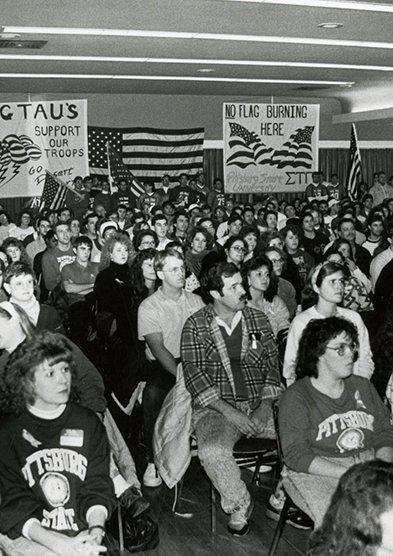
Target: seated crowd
[(114, 300)]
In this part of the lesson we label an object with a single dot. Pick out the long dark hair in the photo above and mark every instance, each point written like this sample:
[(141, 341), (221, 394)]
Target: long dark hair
[(352, 524)]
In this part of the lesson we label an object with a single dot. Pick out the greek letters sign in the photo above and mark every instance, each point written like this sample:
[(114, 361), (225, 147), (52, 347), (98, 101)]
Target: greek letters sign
[(39, 136), (269, 148)]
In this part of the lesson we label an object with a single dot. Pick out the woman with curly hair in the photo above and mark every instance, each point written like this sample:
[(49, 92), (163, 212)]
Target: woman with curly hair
[(117, 320), (15, 251), (55, 485), (321, 297), (261, 285), (359, 518), (330, 418)]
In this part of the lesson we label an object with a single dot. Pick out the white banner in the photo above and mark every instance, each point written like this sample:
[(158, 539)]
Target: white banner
[(39, 136), (269, 148)]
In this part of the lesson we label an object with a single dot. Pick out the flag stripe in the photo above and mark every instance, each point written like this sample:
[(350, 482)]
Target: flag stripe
[(53, 194), (166, 134), (129, 144), (162, 167), (163, 155)]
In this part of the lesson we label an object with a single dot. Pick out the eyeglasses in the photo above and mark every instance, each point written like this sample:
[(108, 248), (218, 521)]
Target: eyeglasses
[(343, 349), (148, 243), (277, 261), (176, 270), (238, 248)]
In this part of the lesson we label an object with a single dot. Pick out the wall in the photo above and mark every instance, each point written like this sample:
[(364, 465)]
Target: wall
[(167, 111)]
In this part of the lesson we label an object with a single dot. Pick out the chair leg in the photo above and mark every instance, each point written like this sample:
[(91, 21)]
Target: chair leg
[(213, 507), (176, 501), (280, 527), (121, 533)]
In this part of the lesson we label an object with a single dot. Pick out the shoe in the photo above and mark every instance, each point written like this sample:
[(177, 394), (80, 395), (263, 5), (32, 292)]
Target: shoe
[(151, 477), (133, 500), (296, 518), (238, 524)]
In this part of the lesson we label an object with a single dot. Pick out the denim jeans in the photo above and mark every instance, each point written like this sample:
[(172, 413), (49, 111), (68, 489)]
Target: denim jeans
[(216, 437)]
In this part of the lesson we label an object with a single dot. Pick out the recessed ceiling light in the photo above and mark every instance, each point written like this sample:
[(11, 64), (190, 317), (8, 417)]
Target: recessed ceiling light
[(9, 35), (206, 70), (330, 25)]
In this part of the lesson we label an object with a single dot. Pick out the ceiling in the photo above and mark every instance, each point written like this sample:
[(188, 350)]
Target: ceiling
[(245, 43)]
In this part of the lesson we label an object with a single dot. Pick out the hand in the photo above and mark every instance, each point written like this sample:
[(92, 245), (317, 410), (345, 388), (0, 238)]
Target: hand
[(351, 265), (260, 416), (245, 425), (83, 544)]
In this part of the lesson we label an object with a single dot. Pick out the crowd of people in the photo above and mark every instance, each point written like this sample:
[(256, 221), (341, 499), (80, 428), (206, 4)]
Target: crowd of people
[(120, 299)]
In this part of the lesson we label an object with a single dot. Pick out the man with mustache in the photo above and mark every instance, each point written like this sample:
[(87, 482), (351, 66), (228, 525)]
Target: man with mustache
[(230, 365)]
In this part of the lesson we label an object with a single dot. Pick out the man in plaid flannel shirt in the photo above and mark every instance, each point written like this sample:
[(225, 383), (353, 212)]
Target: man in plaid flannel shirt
[(230, 364)]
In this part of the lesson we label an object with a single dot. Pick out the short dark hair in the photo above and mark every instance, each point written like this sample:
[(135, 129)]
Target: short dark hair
[(314, 339), (212, 278), (234, 218), (180, 212), (158, 217), (82, 240), (17, 377)]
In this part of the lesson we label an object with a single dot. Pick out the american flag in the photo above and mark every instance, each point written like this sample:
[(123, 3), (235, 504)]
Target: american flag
[(297, 151), (118, 171), (53, 194), (246, 148), (148, 153), (354, 173)]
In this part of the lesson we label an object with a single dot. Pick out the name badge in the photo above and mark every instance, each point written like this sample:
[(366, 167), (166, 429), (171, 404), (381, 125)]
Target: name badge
[(255, 337), (71, 437)]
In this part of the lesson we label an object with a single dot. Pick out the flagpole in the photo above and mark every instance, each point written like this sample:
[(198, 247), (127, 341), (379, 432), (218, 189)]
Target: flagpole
[(110, 178)]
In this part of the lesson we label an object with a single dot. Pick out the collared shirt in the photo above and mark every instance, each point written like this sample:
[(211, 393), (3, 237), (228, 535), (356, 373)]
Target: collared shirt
[(207, 367), (234, 323), (158, 313)]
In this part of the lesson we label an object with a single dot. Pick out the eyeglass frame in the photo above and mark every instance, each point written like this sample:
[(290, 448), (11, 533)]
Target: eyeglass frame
[(351, 347)]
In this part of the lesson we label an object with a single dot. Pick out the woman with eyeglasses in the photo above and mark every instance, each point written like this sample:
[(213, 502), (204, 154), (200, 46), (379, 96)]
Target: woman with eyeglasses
[(145, 239), (330, 418), (235, 249), (321, 298)]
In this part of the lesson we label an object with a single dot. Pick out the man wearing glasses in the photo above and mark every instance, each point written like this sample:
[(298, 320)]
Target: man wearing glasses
[(160, 322)]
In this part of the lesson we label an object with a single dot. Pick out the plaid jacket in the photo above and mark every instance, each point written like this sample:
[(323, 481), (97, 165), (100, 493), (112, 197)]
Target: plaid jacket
[(207, 367)]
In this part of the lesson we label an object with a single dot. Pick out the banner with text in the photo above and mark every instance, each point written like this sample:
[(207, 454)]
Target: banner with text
[(269, 148), (40, 136)]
